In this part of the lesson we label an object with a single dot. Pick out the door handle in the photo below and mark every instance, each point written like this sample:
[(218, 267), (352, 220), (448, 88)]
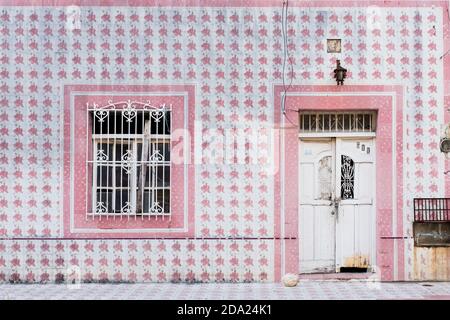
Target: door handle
[(335, 211)]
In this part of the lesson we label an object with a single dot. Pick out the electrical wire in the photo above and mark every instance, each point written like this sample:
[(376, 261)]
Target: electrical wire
[(448, 15), (286, 56)]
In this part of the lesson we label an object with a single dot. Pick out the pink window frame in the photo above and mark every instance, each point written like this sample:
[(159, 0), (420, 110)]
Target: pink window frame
[(78, 146), (355, 97)]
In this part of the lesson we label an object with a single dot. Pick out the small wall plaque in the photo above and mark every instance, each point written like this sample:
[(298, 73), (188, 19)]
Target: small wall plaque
[(333, 45)]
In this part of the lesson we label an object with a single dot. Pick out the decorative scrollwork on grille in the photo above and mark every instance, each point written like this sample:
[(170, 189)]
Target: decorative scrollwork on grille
[(101, 156), (127, 161), (129, 164), (100, 207), (156, 208), (347, 177), (127, 208), (101, 115), (129, 112), (156, 156), (158, 114)]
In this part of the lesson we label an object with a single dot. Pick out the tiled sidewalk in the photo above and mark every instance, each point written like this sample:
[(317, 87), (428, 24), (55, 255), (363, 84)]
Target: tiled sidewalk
[(307, 289)]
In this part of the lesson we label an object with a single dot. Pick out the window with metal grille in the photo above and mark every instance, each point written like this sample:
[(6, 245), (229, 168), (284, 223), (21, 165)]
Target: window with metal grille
[(329, 121), (431, 209), (130, 163)]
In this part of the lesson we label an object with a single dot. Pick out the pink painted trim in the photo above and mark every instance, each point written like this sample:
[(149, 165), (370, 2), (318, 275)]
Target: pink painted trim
[(223, 3), (447, 162), (446, 33), (177, 176), (446, 53), (382, 103), (277, 260), (82, 188)]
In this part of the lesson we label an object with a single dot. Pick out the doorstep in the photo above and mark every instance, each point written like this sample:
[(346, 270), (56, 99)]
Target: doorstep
[(336, 276)]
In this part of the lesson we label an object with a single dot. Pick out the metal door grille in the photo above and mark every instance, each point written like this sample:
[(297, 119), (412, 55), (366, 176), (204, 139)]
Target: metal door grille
[(432, 209), (129, 163), (347, 177), (337, 121)]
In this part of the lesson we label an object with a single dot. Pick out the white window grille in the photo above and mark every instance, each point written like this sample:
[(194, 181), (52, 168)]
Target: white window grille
[(337, 122), (130, 161)]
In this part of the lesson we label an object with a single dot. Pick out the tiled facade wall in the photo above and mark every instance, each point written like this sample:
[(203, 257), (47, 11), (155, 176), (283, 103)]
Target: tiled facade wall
[(233, 56)]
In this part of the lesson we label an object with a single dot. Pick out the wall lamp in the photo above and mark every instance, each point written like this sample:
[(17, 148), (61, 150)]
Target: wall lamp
[(340, 73)]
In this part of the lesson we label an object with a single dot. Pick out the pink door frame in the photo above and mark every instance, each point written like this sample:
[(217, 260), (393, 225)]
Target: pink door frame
[(388, 101)]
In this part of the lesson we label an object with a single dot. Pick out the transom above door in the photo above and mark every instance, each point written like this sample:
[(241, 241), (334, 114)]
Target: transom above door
[(337, 124)]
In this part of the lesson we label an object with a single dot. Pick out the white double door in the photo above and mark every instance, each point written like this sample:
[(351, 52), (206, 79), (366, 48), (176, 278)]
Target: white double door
[(336, 210)]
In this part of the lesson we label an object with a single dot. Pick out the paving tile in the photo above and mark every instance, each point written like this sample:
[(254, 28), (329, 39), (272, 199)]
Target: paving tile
[(316, 289)]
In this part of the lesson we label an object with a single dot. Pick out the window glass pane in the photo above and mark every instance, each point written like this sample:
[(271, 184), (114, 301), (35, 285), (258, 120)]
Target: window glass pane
[(367, 120), (122, 149), (333, 122), (326, 122), (157, 201), (148, 199), (104, 152), (306, 121), (359, 122), (320, 122), (313, 122), (157, 176), (104, 176), (139, 179), (139, 151), (167, 122), (340, 122), (164, 176), (103, 201), (346, 122), (121, 201), (160, 122), (147, 176), (160, 151), (137, 123), (123, 176), (163, 197)]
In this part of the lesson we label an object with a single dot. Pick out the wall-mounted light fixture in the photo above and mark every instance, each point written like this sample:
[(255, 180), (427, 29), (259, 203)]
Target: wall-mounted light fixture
[(444, 144), (340, 73)]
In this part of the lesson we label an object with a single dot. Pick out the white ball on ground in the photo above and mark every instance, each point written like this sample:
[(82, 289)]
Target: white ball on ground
[(290, 280)]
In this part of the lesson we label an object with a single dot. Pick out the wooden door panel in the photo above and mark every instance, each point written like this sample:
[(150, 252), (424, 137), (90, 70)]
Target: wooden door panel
[(316, 223)]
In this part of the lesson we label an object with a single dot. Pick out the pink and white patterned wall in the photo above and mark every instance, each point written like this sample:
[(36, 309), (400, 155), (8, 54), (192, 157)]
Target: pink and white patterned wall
[(234, 56)]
